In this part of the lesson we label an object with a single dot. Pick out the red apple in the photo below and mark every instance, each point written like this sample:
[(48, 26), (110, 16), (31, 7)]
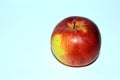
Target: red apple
[(76, 41)]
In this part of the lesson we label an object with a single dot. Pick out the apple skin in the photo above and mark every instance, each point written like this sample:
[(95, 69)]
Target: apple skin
[(76, 41)]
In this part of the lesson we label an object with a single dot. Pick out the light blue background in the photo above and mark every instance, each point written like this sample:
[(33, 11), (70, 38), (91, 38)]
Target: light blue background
[(25, 30)]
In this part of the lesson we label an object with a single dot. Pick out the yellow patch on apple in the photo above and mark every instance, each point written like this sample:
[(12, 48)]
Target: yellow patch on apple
[(56, 46)]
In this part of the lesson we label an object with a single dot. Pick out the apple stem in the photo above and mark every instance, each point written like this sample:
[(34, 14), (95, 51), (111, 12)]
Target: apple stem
[(74, 24)]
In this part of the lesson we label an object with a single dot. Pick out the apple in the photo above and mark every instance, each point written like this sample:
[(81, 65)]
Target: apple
[(76, 41)]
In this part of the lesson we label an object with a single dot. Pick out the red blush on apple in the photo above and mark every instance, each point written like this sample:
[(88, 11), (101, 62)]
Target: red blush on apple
[(76, 41)]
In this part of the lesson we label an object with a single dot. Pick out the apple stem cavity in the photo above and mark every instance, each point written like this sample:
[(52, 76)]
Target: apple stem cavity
[(74, 24)]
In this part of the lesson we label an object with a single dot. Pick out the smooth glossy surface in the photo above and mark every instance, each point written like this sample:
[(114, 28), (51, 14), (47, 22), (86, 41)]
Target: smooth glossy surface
[(76, 41)]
